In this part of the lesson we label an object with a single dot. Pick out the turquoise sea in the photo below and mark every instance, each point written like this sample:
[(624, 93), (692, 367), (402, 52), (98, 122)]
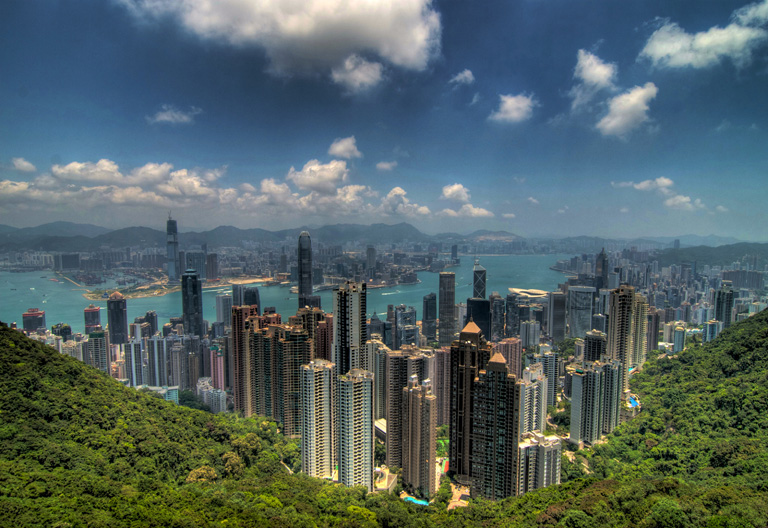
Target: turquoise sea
[(63, 301)]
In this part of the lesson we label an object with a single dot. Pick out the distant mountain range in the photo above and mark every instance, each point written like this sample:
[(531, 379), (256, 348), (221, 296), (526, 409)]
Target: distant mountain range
[(68, 236)]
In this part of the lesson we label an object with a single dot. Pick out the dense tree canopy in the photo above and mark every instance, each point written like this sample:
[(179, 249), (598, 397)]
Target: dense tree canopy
[(79, 449)]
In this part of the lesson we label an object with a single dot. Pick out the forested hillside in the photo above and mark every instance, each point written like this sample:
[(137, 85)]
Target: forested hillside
[(79, 449)]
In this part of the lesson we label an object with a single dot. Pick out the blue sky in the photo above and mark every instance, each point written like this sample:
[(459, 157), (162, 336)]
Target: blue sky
[(537, 117)]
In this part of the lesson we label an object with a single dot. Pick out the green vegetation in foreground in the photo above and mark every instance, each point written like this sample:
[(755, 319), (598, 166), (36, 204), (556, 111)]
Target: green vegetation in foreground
[(79, 449)]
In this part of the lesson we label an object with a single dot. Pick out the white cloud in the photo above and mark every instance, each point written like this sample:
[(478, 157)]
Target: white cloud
[(171, 115), (721, 209), (683, 203), (464, 77), (661, 184), (563, 209), (467, 211), (513, 108), (518, 179), (532, 200), (627, 111), (670, 46), (509, 215), (319, 177), (624, 210), (475, 99), (752, 15), (386, 165), (20, 164), (357, 74), (592, 75), (103, 170), (310, 35), (664, 187), (456, 192), (345, 148), (396, 203)]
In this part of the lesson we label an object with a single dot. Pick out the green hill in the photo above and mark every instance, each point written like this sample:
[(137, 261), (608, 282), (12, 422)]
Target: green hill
[(79, 449)]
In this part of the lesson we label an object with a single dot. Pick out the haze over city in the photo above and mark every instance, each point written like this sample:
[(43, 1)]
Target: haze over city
[(538, 118)]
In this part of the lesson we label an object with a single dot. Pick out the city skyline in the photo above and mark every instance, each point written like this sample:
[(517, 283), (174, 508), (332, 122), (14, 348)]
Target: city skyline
[(636, 120)]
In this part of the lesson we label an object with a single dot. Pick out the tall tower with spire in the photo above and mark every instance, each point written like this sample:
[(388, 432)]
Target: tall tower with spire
[(172, 245), (305, 268)]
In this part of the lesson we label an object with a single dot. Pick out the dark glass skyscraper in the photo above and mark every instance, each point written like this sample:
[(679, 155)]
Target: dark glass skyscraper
[(192, 303), (429, 317), (117, 318), (172, 238), (305, 268), (446, 300)]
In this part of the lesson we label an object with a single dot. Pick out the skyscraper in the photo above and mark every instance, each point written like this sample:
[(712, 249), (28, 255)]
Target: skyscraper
[(224, 309), (601, 270), (446, 300), (594, 346), (538, 462), (596, 400), (497, 317), (96, 351), (724, 304), (619, 338), (92, 316), (429, 317), (318, 422), (172, 250), (419, 431), (556, 316), (350, 331), (478, 282), (639, 330), (355, 424), (117, 317), (579, 312), (192, 303), (469, 355), (305, 268), (240, 353), (495, 431), (400, 366), (479, 311), (532, 399)]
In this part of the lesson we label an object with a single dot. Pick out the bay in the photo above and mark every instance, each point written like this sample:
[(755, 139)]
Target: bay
[(63, 301)]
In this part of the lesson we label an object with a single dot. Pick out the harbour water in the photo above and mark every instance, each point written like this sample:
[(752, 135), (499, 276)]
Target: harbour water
[(63, 301)]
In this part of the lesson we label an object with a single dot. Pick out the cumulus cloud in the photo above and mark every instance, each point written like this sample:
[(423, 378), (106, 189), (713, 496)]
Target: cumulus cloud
[(319, 177), (169, 114), (20, 164), (670, 46), (467, 211), (509, 215), (396, 203), (464, 77), (357, 74), (721, 209), (624, 210), (103, 170), (683, 203), (386, 165), (455, 192), (592, 75), (310, 36), (345, 148), (532, 200), (664, 187), (627, 111), (513, 108)]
